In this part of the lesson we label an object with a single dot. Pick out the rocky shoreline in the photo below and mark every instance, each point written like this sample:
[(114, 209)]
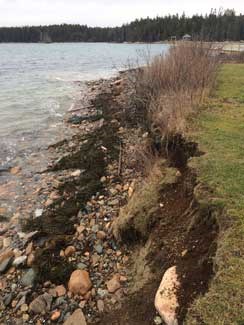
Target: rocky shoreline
[(96, 232), (81, 192)]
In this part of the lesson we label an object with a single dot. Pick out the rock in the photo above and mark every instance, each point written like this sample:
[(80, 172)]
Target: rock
[(114, 284), (41, 305), (114, 202), (98, 248), (60, 291), (7, 242), (38, 213), (28, 278), (158, 320), (77, 318), (7, 299), (100, 306), (24, 308), (76, 173), (25, 317), (101, 235), (81, 266), (29, 248), (166, 301), (102, 293), (19, 303), (30, 260), (70, 250), (4, 255), (55, 315), (20, 261), (80, 229), (103, 179), (15, 170), (79, 282), (5, 264)]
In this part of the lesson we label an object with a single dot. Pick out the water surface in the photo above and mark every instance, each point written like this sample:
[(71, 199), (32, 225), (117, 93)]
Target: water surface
[(39, 82)]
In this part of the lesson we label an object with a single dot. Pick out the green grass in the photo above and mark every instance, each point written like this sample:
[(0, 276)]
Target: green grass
[(220, 134)]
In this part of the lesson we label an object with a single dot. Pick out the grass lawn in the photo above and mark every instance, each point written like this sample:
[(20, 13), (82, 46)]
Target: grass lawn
[(220, 134)]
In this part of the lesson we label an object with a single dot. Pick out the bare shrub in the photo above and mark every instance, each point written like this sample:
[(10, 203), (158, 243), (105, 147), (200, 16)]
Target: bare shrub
[(172, 85)]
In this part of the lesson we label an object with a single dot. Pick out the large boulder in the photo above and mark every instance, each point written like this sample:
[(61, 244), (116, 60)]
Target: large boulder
[(77, 318), (166, 301), (79, 282)]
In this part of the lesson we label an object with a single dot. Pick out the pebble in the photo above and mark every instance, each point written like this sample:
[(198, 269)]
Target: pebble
[(81, 266), (100, 306), (98, 248), (30, 260), (77, 318), (114, 284), (60, 291), (76, 173), (38, 213), (7, 242), (20, 261), (101, 235), (41, 304), (29, 248), (55, 315), (5, 264), (158, 320), (69, 251), (102, 293), (25, 317), (79, 282), (24, 308), (28, 278), (7, 299)]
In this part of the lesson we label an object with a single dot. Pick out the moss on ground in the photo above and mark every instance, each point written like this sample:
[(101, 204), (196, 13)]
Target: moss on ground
[(220, 134)]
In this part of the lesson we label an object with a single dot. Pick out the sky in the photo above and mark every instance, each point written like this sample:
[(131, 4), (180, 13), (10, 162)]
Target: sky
[(101, 12)]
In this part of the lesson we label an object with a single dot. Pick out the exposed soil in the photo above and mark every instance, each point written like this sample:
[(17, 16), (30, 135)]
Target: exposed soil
[(185, 236)]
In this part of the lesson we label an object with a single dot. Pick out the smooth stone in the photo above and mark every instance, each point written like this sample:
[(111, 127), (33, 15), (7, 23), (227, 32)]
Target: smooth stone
[(38, 213), (158, 320), (79, 282), (20, 261), (77, 318), (55, 315), (5, 264), (69, 251), (28, 278), (98, 248), (166, 301), (7, 299)]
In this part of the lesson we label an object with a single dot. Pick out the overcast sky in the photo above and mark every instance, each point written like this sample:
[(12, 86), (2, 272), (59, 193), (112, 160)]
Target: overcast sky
[(101, 12)]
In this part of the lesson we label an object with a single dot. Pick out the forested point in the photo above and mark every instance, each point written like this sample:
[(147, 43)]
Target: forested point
[(216, 26)]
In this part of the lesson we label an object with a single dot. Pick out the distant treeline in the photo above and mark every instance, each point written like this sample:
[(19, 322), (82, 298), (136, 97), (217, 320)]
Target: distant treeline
[(216, 26)]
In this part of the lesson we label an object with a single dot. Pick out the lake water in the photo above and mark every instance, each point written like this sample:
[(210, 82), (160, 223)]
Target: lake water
[(39, 82)]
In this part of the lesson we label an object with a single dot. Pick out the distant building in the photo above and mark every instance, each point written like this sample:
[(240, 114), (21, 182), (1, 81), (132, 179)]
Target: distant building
[(186, 37), (173, 38)]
